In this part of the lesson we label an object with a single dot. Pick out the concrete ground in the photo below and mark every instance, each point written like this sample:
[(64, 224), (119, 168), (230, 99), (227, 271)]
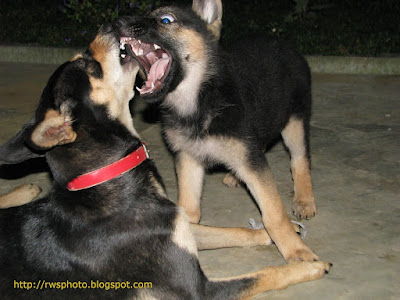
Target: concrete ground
[(355, 140)]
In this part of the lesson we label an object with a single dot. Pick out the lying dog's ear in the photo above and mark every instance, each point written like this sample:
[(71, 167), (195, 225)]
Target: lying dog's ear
[(38, 136), (55, 129), (211, 12), (16, 150)]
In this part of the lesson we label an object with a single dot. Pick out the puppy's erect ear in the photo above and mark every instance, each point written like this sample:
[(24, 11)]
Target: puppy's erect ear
[(211, 12)]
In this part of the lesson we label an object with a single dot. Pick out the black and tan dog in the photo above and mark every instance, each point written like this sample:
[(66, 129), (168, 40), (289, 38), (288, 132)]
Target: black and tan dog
[(107, 218), (225, 107)]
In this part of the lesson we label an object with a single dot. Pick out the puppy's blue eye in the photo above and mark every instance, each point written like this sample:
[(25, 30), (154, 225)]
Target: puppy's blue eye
[(167, 19)]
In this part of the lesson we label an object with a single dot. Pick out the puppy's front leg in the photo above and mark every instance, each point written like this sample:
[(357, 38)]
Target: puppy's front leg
[(190, 174), (208, 237)]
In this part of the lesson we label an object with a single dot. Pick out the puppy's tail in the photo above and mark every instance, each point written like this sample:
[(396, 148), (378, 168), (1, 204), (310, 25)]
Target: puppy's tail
[(270, 278)]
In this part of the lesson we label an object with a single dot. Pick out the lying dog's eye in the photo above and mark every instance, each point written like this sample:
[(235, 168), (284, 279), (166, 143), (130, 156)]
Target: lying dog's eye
[(167, 19)]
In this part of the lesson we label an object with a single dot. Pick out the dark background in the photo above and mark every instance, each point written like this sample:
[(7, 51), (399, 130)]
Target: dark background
[(322, 27)]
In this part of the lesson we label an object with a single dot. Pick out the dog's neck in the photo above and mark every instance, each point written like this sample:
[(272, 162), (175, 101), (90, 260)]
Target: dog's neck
[(184, 98), (198, 99), (110, 171), (91, 151), (105, 199)]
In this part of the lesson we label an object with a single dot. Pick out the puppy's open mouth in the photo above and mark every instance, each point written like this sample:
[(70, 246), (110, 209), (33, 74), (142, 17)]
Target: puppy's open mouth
[(154, 61)]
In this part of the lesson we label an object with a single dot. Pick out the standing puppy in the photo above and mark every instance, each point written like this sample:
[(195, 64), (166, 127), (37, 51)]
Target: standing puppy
[(226, 106)]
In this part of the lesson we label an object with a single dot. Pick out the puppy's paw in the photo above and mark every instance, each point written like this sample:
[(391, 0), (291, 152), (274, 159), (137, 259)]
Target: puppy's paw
[(26, 193), (32, 190), (302, 254), (304, 209), (231, 181), (314, 270), (20, 196)]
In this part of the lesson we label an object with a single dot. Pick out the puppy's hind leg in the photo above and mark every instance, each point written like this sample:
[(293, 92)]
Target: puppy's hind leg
[(296, 140), (269, 278), (20, 196)]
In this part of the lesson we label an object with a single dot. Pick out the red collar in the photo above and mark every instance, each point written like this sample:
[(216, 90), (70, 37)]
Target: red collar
[(109, 172)]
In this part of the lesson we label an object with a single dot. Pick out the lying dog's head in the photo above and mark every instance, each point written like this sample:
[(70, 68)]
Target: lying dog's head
[(172, 45), (80, 101)]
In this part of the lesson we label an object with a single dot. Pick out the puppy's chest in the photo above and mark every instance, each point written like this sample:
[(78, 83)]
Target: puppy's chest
[(210, 148), (182, 140)]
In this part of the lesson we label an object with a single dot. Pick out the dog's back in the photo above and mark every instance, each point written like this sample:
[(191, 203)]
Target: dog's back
[(271, 82)]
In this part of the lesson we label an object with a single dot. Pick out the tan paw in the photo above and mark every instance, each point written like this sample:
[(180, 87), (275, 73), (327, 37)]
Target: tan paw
[(20, 196), (231, 181), (303, 254), (32, 189), (304, 209), (315, 270)]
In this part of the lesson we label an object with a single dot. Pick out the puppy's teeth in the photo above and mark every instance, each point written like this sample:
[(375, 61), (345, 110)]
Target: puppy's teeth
[(140, 42), (122, 46), (123, 55), (157, 47), (152, 85)]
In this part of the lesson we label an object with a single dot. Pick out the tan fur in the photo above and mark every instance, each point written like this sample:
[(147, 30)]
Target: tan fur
[(217, 147), (278, 278), (145, 294), (190, 174), (194, 44), (76, 57), (231, 181), (19, 196), (208, 237), (157, 186), (54, 130), (113, 87), (190, 169), (182, 236), (263, 188), (194, 58), (304, 203), (207, 14)]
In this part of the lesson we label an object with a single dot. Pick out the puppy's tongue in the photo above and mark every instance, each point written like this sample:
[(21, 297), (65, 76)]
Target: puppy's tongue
[(157, 71)]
